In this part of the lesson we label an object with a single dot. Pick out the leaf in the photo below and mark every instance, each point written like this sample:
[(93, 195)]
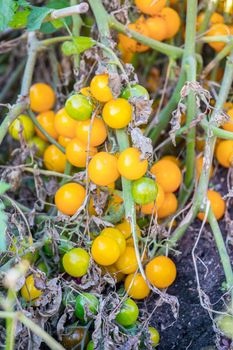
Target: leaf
[(36, 17), (6, 13), (4, 187), (23, 3), (58, 4), (83, 43)]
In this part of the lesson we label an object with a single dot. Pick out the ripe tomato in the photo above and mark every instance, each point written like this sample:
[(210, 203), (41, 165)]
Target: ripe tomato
[(168, 207), (39, 144), (128, 313), (77, 152), (117, 113), (130, 45), (229, 124), (150, 7), (135, 91), (161, 271), (102, 169), (72, 337), (24, 123), (157, 28), (167, 174), (214, 19), (42, 97), (112, 271), (84, 302), (46, 120), (54, 159), (130, 165), (105, 250), (29, 292), (136, 286), (115, 234), (172, 159), (79, 107), (69, 198), (217, 205), (199, 166), (125, 229), (64, 124), (127, 262), (100, 89), (172, 20), (63, 141), (144, 190), (154, 336), (76, 262), (224, 153), (86, 91), (153, 206), (218, 29), (95, 131)]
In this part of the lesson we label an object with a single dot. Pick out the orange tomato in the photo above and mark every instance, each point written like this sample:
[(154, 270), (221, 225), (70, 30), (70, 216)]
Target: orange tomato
[(42, 97), (172, 159), (64, 124), (54, 159), (167, 174), (102, 169), (169, 206), (117, 113), (115, 234), (224, 153), (131, 45), (63, 141), (157, 28), (161, 271), (69, 198), (100, 89), (150, 7), (105, 250), (229, 124), (77, 152), (214, 19), (127, 262), (136, 287), (46, 120), (172, 20), (95, 131), (217, 204), (218, 29), (125, 229), (130, 165)]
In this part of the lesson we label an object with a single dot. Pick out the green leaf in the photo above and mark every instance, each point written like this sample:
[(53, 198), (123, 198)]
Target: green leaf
[(19, 19), (4, 187), (23, 3), (57, 4), (6, 13), (36, 17), (83, 43)]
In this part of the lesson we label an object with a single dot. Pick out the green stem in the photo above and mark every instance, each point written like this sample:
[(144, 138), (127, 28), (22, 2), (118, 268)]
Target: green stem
[(221, 133), (77, 24), (10, 323)]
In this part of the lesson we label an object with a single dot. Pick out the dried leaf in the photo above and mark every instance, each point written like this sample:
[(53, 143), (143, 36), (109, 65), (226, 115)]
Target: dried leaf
[(143, 143)]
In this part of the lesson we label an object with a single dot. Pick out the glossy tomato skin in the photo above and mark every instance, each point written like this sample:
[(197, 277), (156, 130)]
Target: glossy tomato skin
[(64, 124), (54, 159), (150, 7), (117, 113), (217, 204), (130, 165), (90, 345), (102, 169), (135, 91), (77, 152), (63, 141), (161, 271), (128, 44), (24, 123), (76, 262), (224, 153), (128, 313), (127, 262), (157, 28), (154, 336), (94, 132), (69, 198), (39, 144), (29, 292), (100, 89), (79, 107), (172, 20), (42, 97), (136, 287), (73, 337), (167, 174), (86, 301), (105, 250), (115, 234), (46, 120), (144, 190), (169, 206)]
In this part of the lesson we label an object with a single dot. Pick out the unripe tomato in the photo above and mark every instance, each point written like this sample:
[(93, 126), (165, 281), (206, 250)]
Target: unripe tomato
[(167, 174), (225, 324), (153, 206), (136, 286), (115, 234), (161, 271), (76, 262), (63, 141), (172, 159), (73, 337), (42, 97), (217, 204), (64, 124), (105, 250), (24, 123), (144, 190), (90, 345), (100, 89), (39, 144), (199, 166), (117, 113), (229, 124), (95, 131), (79, 107), (46, 120), (135, 91), (86, 301), (130, 165), (77, 153), (154, 336), (29, 292), (54, 159), (224, 153), (128, 313), (127, 262), (69, 198), (102, 169), (150, 7), (131, 45), (172, 20), (168, 207), (218, 29), (125, 229), (157, 28)]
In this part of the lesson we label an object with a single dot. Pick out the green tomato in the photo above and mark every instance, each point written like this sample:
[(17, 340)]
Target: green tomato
[(47, 248), (128, 314), (90, 345), (19, 19), (42, 267), (225, 324), (144, 190), (135, 91), (23, 122), (39, 144), (76, 262), (86, 301), (79, 107), (154, 336)]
